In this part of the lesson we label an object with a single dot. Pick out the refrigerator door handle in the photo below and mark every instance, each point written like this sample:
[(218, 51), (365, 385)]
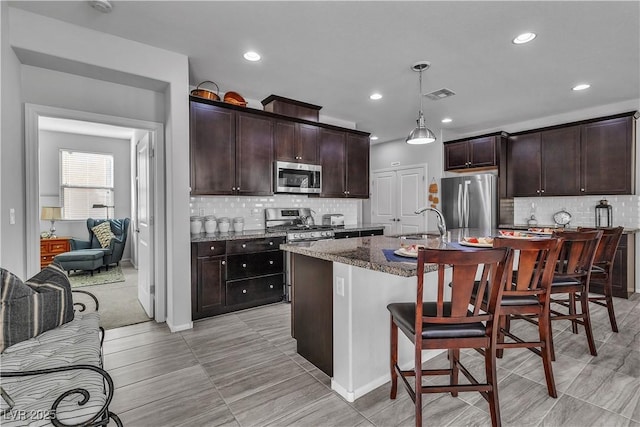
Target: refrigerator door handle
[(460, 211), (466, 203)]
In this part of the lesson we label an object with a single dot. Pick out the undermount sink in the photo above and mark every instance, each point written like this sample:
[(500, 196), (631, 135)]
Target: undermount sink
[(420, 236)]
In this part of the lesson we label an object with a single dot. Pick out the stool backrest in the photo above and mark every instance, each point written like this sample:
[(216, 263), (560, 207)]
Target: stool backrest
[(536, 264), (577, 252), (489, 264), (606, 252)]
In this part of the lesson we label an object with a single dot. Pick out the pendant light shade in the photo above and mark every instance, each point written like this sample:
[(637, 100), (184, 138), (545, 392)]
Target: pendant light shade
[(421, 134)]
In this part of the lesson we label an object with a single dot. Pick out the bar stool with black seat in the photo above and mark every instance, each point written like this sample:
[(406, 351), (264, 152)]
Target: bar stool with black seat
[(448, 324), (572, 277), (526, 296), (602, 270)]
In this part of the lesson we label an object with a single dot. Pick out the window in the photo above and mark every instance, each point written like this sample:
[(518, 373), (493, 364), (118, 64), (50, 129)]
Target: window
[(85, 179)]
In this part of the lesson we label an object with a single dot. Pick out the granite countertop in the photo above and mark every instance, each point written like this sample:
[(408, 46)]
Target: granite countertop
[(366, 252), (627, 230), (261, 233)]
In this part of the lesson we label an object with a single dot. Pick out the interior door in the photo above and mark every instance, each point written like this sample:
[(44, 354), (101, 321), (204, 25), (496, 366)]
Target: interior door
[(143, 225), (395, 196)]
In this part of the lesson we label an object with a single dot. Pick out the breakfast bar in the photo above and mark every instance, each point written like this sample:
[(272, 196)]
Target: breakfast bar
[(341, 289)]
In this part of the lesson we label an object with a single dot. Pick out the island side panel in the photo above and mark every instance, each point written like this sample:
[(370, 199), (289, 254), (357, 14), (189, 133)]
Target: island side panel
[(312, 305)]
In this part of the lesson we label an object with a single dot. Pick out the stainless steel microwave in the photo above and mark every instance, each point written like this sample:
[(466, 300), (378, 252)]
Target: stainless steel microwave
[(297, 178)]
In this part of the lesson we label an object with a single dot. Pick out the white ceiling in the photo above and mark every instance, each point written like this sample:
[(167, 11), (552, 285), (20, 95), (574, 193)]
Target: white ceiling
[(335, 54)]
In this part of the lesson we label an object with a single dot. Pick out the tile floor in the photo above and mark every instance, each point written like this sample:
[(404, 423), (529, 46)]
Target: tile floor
[(242, 369)]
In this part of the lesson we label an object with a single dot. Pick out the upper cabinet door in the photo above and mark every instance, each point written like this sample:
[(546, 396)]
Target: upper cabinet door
[(357, 179), (307, 143), (560, 173), (524, 159), (285, 141), (483, 152), (254, 146), (456, 155), (332, 159), (212, 149), (607, 156)]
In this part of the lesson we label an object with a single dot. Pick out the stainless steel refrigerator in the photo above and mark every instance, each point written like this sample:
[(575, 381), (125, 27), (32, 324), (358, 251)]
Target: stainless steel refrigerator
[(470, 202)]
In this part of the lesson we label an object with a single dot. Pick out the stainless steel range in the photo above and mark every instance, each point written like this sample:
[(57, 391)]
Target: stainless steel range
[(300, 228), (298, 223)]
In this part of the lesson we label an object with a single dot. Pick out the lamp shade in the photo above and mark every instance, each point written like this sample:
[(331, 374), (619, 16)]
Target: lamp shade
[(51, 213), (421, 134)]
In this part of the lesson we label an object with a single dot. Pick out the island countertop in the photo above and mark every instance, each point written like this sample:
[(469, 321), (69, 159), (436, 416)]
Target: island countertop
[(366, 252)]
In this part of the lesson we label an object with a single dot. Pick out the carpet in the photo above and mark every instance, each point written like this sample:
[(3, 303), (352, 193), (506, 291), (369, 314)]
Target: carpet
[(84, 278)]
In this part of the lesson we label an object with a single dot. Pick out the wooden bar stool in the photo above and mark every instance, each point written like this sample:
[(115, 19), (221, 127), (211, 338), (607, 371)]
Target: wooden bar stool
[(602, 270), (572, 276), (449, 324), (526, 296)]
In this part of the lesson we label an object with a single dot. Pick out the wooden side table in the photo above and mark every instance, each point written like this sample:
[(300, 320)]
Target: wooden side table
[(49, 248)]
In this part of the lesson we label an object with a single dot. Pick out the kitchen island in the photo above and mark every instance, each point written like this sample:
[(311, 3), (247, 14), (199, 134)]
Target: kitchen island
[(341, 289)]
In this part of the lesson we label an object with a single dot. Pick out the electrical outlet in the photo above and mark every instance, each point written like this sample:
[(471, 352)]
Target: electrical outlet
[(340, 286), (201, 211), (12, 216)]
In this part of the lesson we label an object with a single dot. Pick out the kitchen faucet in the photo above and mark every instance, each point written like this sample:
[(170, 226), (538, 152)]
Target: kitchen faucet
[(442, 226)]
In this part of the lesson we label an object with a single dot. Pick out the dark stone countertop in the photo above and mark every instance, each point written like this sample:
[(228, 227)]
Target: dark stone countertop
[(261, 233)]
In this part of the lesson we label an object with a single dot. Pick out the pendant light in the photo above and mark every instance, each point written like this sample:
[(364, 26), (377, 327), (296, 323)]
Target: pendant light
[(421, 134)]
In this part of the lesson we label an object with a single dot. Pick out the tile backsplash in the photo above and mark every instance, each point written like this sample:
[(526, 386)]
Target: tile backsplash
[(252, 208), (626, 209)]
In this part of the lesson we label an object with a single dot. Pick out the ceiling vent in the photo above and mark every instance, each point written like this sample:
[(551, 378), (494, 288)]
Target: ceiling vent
[(440, 94)]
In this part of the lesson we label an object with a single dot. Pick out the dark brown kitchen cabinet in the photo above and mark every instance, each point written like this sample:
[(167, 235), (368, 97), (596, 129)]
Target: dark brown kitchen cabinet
[(208, 275), (254, 155), (345, 164), (212, 149), (607, 156), (479, 152), (231, 152), (545, 163), (235, 274), (296, 142)]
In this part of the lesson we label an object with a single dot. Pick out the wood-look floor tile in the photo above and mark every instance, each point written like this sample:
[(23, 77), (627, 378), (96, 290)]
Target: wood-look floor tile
[(137, 340), (438, 409), (150, 368), (245, 382), (218, 346), (628, 333), (138, 328), (240, 359), (172, 345), (183, 382), (378, 400), (182, 409), (217, 417), (608, 389), (565, 370), (569, 411), (328, 411), (573, 345), (471, 417), (622, 359), (279, 400), (522, 401)]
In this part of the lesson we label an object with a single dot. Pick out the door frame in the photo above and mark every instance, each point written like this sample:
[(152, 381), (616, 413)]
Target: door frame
[(32, 113)]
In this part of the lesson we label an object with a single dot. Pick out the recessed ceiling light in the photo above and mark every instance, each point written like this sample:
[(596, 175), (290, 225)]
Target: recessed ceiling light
[(103, 6), (252, 56), (582, 86), (375, 96), (373, 138), (524, 38), (447, 120)]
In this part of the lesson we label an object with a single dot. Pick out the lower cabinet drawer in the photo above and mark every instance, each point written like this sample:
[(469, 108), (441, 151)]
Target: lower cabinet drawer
[(256, 264), (255, 289)]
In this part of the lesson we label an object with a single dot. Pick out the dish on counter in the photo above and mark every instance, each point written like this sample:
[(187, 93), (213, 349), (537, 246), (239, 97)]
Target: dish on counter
[(541, 230), (410, 251), (478, 242), (513, 234)]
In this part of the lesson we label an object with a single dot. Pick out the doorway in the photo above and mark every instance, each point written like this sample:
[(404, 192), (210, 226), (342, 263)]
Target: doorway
[(153, 285), (395, 195)]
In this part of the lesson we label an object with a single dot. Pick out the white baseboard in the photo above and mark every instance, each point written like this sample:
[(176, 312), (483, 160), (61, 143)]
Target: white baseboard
[(178, 328)]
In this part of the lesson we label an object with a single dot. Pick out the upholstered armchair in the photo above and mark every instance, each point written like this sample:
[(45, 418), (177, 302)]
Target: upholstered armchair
[(112, 253)]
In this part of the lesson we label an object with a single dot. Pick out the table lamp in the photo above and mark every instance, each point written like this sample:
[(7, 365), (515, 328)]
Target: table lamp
[(51, 213)]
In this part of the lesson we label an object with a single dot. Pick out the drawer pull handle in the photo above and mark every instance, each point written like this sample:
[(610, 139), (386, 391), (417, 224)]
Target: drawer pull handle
[(224, 262), (270, 286), (271, 243), (244, 245), (212, 248), (270, 262), (244, 291), (244, 265)]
